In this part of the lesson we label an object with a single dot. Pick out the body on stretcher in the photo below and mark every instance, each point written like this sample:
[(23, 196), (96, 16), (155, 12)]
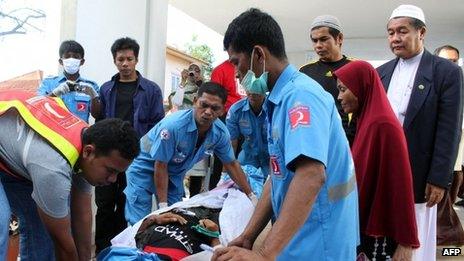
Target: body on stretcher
[(231, 222)]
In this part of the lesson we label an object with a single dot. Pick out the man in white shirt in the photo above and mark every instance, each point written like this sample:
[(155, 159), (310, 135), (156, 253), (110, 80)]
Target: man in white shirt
[(425, 93)]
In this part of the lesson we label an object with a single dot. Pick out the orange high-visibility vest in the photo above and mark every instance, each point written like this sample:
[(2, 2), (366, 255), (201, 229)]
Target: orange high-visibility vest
[(49, 118)]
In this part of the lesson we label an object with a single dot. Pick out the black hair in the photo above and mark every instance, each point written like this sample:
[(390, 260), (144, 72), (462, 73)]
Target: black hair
[(213, 89), (254, 27), (416, 23), (71, 46), (125, 43), (446, 47), (332, 31), (113, 134)]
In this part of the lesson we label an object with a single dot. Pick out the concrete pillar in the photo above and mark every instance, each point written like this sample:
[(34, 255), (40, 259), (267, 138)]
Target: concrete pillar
[(68, 20), (155, 41)]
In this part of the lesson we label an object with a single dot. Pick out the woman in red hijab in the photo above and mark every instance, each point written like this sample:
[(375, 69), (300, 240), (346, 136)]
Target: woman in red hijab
[(383, 171)]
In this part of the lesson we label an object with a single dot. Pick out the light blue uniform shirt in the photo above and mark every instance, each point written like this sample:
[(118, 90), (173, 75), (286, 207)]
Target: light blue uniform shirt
[(303, 121), (241, 120), (172, 141), (77, 102)]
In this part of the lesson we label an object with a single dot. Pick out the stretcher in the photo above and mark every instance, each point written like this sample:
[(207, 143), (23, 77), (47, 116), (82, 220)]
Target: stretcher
[(236, 211)]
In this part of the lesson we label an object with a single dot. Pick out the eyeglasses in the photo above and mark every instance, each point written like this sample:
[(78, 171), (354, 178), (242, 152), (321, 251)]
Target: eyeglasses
[(205, 105)]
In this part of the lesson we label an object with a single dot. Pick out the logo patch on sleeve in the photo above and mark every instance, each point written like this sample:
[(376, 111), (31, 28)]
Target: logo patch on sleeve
[(165, 135), (275, 166), (81, 106), (299, 115)]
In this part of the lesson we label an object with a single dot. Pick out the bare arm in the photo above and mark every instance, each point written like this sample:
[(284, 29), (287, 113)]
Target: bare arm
[(161, 181), (60, 232), (237, 175), (234, 145), (301, 195), (95, 108), (81, 222)]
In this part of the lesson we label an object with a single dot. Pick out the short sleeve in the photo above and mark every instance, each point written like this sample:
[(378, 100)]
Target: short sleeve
[(223, 149), (44, 88), (163, 142), (81, 184), (232, 123), (307, 128), (216, 75), (51, 181)]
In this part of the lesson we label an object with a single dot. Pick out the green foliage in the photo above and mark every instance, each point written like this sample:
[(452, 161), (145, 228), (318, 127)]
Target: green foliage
[(202, 52)]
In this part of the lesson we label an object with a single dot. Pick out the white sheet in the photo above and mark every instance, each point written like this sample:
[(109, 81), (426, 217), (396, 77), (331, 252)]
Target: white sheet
[(234, 216)]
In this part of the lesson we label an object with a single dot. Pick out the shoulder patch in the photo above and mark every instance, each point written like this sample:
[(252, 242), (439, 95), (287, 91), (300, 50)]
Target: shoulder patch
[(299, 115), (164, 134)]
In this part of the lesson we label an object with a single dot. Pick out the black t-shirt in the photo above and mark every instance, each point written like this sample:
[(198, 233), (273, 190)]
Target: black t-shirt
[(322, 72), (174, 239), (124, 100)]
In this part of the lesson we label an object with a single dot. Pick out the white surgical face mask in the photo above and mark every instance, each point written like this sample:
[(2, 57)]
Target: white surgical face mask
[(71, 65)]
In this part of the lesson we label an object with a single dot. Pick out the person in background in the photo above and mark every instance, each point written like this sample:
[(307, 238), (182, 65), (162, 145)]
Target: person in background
[(381, 160), (449, 228), (226, 75), (130, 97), (246, 119), (425, 92), (327, 38), (80, 95), (192, 78)]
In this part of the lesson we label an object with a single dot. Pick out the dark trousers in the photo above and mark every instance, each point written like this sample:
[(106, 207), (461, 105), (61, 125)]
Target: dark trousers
[(110, 219), (195, 185), (217, 163), (217, 166)]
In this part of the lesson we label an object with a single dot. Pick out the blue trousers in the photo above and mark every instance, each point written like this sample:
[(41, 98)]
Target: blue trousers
[(15, 197)]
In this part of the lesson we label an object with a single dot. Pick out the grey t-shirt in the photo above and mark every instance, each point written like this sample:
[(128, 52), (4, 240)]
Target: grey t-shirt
[(30, 156)]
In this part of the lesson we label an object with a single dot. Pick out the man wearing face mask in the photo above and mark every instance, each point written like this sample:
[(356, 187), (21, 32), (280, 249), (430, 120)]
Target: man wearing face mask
[(77, 93), (247, 118), (311, 191)]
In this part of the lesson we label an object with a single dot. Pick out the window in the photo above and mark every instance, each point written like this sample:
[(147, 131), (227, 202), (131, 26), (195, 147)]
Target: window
[(175, 81)]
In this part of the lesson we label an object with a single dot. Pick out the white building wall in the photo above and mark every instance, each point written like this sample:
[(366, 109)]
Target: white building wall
[(99, 23)]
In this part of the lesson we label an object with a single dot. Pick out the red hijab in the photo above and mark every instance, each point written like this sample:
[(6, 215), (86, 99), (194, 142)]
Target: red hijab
[(380, 154)]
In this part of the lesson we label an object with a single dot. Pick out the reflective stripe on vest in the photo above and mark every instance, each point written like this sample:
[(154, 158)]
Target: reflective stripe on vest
[(50, 119), (340, 191)]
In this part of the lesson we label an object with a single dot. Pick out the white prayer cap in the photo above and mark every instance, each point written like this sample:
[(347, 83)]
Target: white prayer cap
[(408, 11), (327, 21)]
